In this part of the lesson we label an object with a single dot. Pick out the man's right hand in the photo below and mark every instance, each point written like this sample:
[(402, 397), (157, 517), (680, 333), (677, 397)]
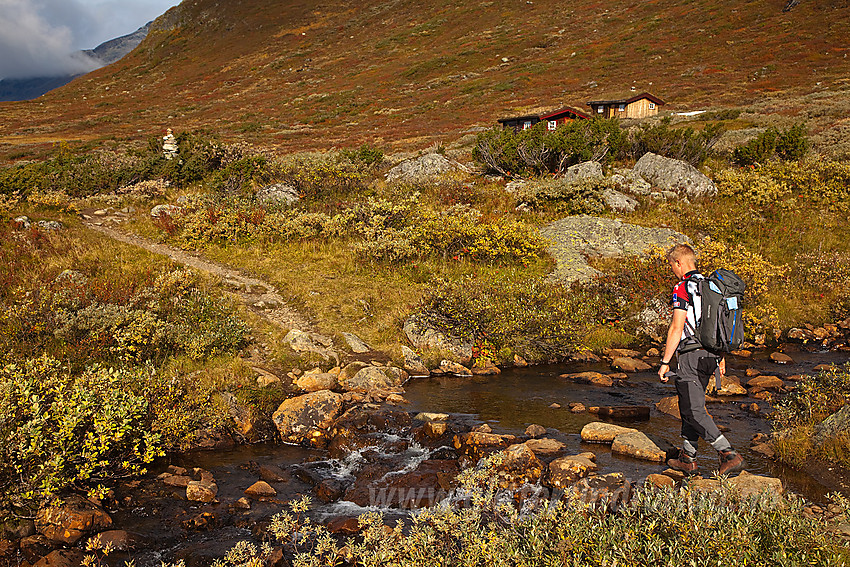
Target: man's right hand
[(662, 372)]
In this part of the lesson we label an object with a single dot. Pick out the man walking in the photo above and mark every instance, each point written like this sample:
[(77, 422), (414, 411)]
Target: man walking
[(696, 366)]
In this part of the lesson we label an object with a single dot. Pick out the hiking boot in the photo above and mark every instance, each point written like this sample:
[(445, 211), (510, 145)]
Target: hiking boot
[(683, 463), (730, 462)]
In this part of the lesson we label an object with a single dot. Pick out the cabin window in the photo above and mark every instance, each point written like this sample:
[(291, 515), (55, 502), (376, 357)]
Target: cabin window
[(526, 125), (622, 107), (652, 106), (553, 124), (600, 109)]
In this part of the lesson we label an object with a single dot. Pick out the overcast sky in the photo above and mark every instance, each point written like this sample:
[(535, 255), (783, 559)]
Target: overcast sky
[(38, 37)]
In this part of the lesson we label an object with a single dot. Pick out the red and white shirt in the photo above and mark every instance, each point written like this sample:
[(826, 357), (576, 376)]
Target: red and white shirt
[(686, 297)]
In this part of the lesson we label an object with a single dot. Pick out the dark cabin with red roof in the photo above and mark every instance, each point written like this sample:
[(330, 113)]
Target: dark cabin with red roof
[(636, 106), (553, 119)]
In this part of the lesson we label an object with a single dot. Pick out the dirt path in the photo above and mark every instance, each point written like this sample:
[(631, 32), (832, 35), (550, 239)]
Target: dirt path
[(261, 297)]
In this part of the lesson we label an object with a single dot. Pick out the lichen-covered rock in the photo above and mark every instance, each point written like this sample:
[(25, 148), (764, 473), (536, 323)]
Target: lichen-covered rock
[(586, 170), (619, 202), (731, 386), (545, 446), (567, 470), (601, 432), (423, 335), (316, 381), (201, 490), (519, 465), (837, 423), (423, 168), (413, 362), (355, 343), (636, 444), (675, 176), (306, 418), (166, 210), (301, 341), (372, 378), (71, 519), (278, 194)]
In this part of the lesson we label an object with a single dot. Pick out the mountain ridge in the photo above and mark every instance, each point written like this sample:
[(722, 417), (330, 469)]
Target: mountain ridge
[(323, 73)]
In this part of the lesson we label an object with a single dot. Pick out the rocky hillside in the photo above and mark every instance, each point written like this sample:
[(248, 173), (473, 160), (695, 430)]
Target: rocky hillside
[(328, 73)]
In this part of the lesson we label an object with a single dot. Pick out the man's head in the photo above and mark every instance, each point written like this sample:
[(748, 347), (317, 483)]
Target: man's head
[(682, 259)]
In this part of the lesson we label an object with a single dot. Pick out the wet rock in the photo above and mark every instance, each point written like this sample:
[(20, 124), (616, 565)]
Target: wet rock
[(166, 210), (260, 489), (592, 378), (273, 473), (660, 481), (62, 558), (177, 481), (476, 444), (555, 405), (824, 367), (731, 386), (316, 380), (344, 526), (301, 341), (743, 353), (577, 407), (519, 361), (674, 175), (355, 343), (202, 521), (242, 504), (670, 406), (71, 519), (565, 471), (429, 483), (396, 400), (413, 364), (636, 444), (535, 430), (545, 447), (750, 372), (305, 418), (601, 432), (611, 489), (483, 428), (428, 416), (436, 429), (628, 364), (201, 491), (34, 547), (362, 426), (485, 367), (423, 336), (614, 353), (781, 358), (766, 382), (519, 466), (17, 528), (244, 418), (118, 540), (764, 449), (449, 367), (621, 412)]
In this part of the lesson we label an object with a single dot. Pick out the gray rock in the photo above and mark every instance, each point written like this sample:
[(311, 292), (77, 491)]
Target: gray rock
[(316, 381), (278, 194), (301, 341), (839, 422), (420, 169), (355, 343), (50, 225), (72, 277), (582, 171), (619, 202), (424, 336), (169, 210), (674, 175), (573, 238), (374, 378), (515, 185), (413, 363), (630, 182), (23, 222), (654, 319)]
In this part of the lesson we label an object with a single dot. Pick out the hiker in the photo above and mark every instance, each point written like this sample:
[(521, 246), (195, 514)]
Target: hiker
[(696, 367)]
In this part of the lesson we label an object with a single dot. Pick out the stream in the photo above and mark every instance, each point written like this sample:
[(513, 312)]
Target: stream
[(169, 527)]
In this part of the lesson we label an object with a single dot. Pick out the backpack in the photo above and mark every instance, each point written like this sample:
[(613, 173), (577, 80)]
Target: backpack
[(720, 328)]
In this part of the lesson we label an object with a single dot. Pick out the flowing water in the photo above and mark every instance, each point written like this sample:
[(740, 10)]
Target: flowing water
[(508, 402)]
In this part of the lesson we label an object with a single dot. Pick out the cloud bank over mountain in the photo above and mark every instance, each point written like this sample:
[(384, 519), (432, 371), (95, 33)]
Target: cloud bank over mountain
[(41, 38)]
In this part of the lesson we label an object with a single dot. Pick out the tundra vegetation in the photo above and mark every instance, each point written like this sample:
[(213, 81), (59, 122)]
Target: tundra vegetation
[(110, 356)]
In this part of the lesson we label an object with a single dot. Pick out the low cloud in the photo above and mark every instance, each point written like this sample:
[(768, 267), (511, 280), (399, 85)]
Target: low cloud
[(38, 38)]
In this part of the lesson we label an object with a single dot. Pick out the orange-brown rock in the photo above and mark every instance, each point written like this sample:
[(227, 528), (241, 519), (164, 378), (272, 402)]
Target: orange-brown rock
[(71, 519)]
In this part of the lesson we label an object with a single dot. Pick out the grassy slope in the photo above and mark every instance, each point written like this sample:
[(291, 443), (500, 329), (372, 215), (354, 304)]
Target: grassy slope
[(332, 73)]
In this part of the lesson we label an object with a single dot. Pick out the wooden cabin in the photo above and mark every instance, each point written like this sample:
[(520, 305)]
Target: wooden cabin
[(553, 119), (637, 106)]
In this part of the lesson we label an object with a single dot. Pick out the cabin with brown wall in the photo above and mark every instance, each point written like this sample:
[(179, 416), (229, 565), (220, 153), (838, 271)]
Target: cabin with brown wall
[(637, 106), (552, 119)]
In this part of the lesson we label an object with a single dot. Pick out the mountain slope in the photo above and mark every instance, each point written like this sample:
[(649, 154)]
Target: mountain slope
[(317, 73)]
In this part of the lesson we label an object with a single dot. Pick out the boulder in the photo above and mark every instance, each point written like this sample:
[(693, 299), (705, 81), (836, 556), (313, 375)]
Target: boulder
[(764, 449), (519, 466), (636, 444), (71, 519), (535, 430), (670, 406), (423, 335), (583, 171), (485, 367), (316, 381), (619, 202), (567, 470), (781, 358), (573, 238), (449, 367), (601, 432), (545, 446), (593, 378), (305, 418), (260, 489), (837, 423), (277, 195), (422, 168), (201, 491), (660, 481), (436, 429), (273, 473), (356, 344), (350, 370), (675, 176), (629, 181), (50, 225), (577, 407), (745, 485), (429, 416), (731, 386), (766, 382), (413, 363), (301, 341), (628, 364), (476, 444), (166, 210), (370, 378)]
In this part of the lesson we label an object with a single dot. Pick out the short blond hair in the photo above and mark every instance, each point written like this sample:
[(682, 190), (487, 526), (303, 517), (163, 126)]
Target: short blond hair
[(681, 252)]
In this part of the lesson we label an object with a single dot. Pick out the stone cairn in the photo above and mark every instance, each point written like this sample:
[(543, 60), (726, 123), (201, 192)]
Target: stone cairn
[(169, 145)]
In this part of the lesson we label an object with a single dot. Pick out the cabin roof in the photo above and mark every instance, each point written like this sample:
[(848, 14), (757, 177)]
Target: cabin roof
[(628, 100)]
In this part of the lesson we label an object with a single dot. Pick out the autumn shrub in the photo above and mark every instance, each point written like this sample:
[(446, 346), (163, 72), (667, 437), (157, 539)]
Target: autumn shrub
[(687, 144), (535, 318), (366, 155), (572, 198), (786, 145), (487, 528), (59, 430), (801, 411)]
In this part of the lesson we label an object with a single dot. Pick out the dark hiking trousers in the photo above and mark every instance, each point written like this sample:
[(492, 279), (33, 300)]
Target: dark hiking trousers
[(695, 369)]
